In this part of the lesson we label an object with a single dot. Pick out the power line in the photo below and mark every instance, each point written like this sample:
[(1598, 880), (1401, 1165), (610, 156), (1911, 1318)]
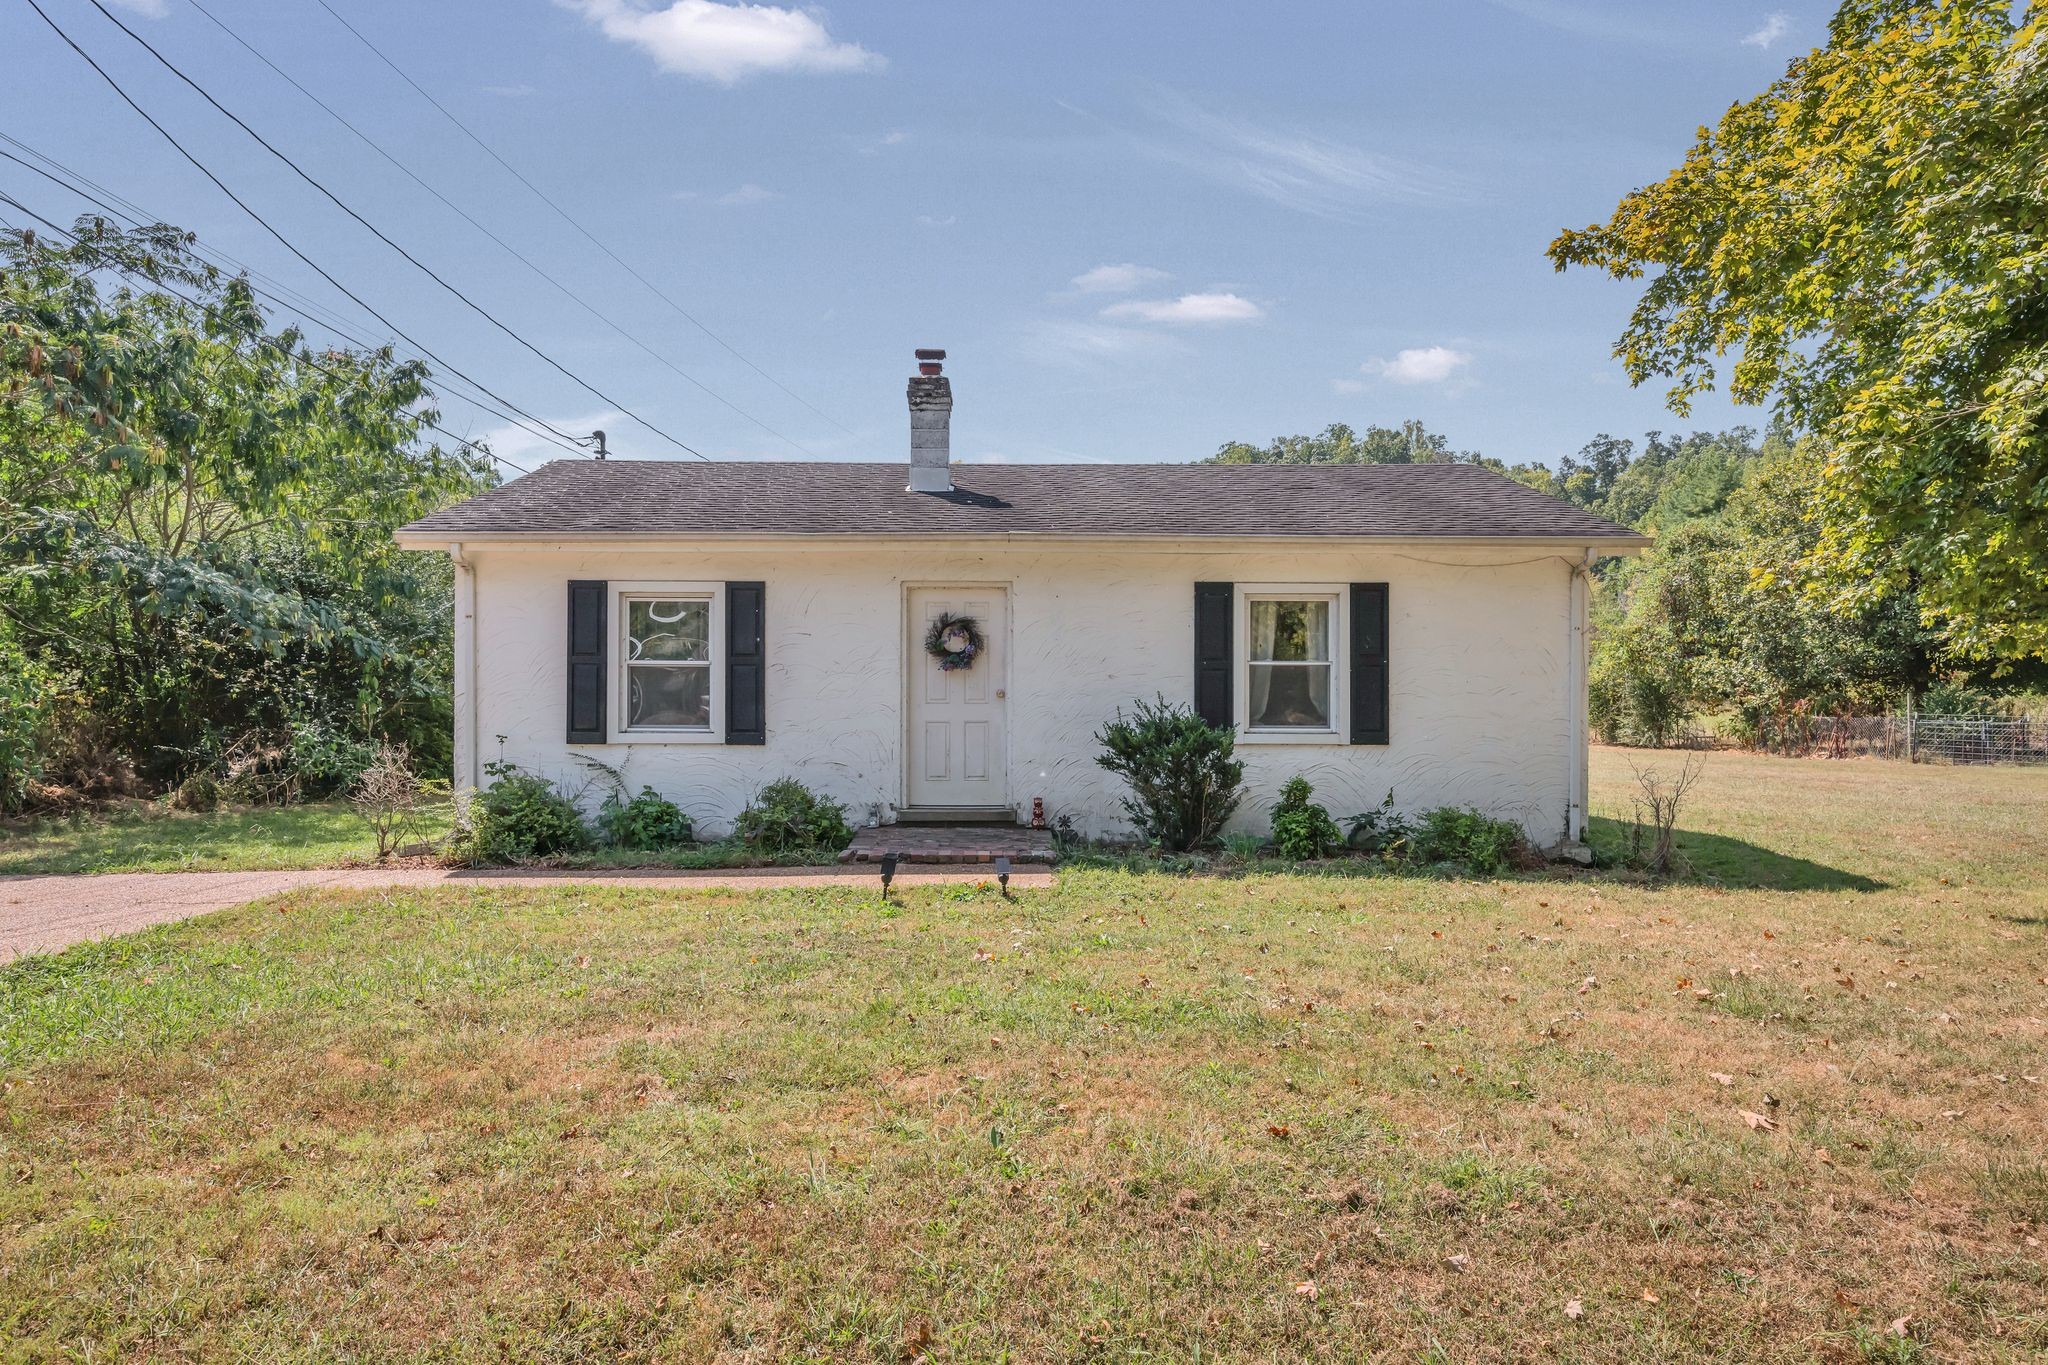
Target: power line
[(566, 217), (136, 216), (269, 341), (508, 248), (284, 241), (383, 237)]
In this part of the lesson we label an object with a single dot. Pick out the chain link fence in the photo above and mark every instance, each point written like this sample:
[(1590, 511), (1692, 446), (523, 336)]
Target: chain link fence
[(1913, 737)]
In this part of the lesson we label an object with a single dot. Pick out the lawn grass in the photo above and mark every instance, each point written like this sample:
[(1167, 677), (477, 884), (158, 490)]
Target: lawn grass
[(146, 837), (1134, 1117)]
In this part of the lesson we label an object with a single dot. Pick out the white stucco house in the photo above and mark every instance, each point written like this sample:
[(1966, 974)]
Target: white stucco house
[(709, 627)]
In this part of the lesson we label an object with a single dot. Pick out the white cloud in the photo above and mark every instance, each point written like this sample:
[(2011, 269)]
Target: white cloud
[(1082, 344), (1775, 26), (510, 92), (933, 220), (725, 43), (1188, 309), (746, 194), (1297, 170), (148, 9), (1420, 365), (1117, 279), (895, 137)]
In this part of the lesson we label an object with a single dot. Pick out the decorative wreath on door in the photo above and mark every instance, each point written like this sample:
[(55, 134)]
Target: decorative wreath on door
[(954, 641)]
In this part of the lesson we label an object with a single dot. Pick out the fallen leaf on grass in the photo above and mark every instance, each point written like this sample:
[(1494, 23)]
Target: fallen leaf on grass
[(1460, 1262), (1574, 1309), (1278, 1130), (918, 1343), (1758, 1121), (1899, 1325), (1307, 1289), (1650, 1296), (1720, 1078), (1843, 1301)]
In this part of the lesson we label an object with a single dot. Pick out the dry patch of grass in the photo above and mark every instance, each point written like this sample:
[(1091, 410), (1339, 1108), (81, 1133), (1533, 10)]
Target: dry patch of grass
[(1134, 1117)]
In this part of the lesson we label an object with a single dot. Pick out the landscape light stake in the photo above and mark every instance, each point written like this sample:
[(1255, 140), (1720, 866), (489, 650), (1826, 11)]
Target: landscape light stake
[(888, 873), (1003, 876)]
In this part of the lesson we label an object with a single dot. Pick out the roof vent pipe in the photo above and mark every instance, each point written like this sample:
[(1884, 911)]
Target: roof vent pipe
[(931, 425)]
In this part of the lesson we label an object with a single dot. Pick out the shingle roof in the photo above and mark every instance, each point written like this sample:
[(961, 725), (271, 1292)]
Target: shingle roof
[(579, 499)]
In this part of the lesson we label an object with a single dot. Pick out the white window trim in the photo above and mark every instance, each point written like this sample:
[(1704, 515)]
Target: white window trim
[(1339, 597), (621, 594)]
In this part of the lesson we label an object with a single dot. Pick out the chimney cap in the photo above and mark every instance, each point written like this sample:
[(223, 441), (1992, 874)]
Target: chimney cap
[(930, 353)]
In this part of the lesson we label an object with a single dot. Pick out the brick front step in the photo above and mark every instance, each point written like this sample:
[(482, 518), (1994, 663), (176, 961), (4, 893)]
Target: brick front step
[(951, 844)]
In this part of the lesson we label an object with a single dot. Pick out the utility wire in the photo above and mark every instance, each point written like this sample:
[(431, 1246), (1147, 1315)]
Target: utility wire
[(284, 241), (566, 217), (71, 178), (136, 216), (385, 238), (276, 345), (508, 248)]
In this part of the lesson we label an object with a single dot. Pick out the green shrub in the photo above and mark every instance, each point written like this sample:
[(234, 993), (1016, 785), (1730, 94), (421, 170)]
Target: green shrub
[(1301, 828), (1452, 834), (199, 792), (649, 821), (1184, 781), (1952, 698), (1243, 848), (1382, 830), (521, 816), (787, 816), (324, 757), (1640, 689), (25, 689)]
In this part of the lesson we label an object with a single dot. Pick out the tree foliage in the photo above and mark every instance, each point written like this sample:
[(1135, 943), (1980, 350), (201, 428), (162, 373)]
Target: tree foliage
[(1409, 443), (1717, 618), (196, 511), (1866, 239)]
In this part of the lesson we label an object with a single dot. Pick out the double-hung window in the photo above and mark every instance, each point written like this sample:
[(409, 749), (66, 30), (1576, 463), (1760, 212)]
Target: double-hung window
[(1291, 643), (669, 659)]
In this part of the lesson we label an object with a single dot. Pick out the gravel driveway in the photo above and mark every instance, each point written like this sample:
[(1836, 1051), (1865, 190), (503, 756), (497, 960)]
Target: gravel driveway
[(45, 914)]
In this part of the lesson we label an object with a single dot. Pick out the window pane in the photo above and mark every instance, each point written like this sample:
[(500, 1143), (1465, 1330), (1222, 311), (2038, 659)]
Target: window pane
[(1290, 696), (677, 628), (1290, 631), (665, 695)]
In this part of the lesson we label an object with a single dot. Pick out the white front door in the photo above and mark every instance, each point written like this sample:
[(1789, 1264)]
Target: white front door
[(958, 746)]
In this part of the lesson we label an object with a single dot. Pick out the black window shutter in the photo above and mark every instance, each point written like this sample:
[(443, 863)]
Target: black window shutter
[(1369, 663), (587, 635), (746, 663), (1213, 664)]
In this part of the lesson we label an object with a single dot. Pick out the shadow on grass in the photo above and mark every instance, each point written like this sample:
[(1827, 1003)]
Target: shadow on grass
[(1735, 862)]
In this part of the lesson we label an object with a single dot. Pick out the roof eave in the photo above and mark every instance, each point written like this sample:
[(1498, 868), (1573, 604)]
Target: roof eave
[(410, 539)]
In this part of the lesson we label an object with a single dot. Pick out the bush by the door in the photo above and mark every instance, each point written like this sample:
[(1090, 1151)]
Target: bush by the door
[(1184, 779), (787, 816)]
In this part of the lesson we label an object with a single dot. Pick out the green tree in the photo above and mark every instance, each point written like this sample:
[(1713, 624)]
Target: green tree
[(1409, 443), (1718, 616), (1866, 237), (196, 512)]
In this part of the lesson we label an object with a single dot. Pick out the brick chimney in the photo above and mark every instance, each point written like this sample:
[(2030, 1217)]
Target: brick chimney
[(931, 426)]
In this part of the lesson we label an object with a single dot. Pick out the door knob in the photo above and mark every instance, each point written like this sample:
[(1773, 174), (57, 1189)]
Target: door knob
[(1001, 693)]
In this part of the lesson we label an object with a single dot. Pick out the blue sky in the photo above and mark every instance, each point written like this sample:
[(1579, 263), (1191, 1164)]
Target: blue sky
[(1139, 229)]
